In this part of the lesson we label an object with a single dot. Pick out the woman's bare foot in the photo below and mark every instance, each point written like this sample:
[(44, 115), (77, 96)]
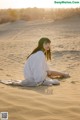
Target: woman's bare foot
[(55, 74), (59, 76)]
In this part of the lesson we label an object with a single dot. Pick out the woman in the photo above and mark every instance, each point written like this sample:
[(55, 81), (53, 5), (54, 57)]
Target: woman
[(36, 71)]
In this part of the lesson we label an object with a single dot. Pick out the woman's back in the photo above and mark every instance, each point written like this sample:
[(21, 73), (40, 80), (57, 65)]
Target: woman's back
[(34, 66)]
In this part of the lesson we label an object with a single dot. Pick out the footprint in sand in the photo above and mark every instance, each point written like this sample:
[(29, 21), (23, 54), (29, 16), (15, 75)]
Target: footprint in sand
[(74, 82), (1, 69), (8, 75)]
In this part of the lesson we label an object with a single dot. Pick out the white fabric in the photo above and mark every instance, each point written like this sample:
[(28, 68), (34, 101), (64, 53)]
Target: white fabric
[(50, 82), (35, 71)]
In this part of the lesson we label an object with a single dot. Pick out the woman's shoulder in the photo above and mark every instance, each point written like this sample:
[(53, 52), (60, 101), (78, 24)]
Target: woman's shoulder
[(40, 53)]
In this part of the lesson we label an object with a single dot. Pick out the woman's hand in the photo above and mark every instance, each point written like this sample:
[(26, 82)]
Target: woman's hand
[(65, 75), (55, 74)]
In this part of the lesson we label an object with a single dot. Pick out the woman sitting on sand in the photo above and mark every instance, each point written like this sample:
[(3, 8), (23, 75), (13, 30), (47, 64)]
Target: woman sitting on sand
[(36, 71)]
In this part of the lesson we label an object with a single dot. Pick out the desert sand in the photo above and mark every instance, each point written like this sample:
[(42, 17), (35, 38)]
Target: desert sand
[(17, 40)]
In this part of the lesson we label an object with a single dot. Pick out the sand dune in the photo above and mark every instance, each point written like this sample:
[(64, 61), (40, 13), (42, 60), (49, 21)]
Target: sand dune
[(17, 40)]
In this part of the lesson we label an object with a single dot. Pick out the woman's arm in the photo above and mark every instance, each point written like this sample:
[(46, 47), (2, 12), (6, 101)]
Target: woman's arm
[(53, 74)]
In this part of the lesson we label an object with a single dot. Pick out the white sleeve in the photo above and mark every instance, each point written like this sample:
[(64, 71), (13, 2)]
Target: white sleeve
[(39, 68)]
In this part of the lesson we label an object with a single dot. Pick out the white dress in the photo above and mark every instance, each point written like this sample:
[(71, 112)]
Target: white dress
[(35, 71)]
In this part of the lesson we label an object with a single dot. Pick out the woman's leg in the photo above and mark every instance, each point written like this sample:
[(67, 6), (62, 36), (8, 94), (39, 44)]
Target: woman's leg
[(55, 74), (51, 82)]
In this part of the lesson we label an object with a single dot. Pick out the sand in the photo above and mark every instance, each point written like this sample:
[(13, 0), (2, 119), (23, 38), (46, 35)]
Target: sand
[(17, 40)]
